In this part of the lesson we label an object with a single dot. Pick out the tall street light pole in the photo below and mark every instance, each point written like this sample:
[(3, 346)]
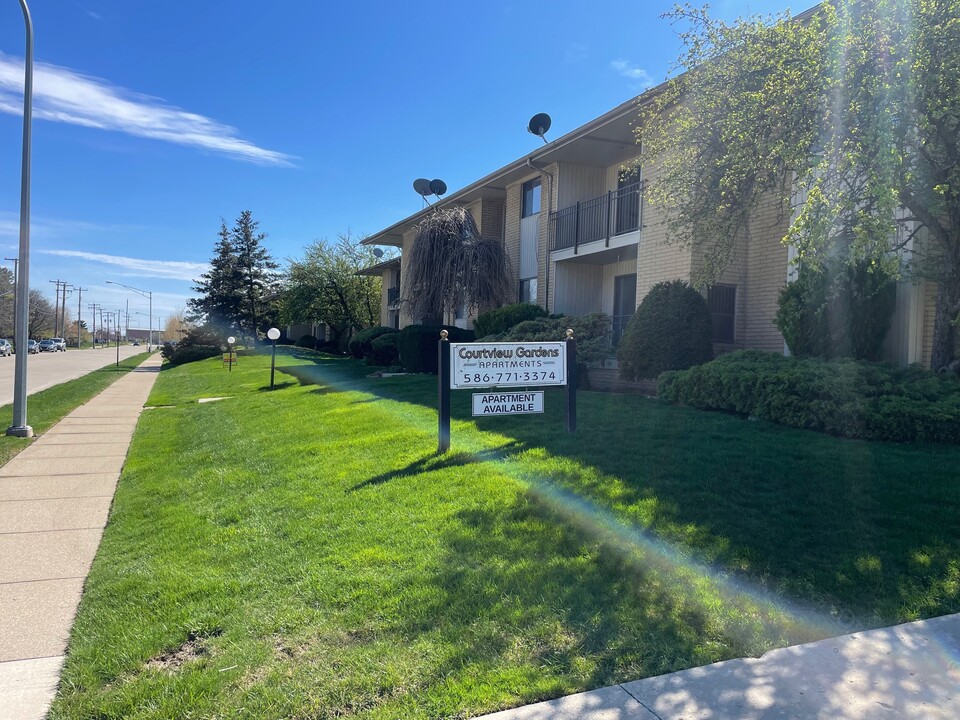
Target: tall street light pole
[(19, 428), (147, 294)]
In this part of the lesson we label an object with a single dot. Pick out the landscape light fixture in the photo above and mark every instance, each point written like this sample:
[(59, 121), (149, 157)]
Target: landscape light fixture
[(274, 335), (19, 427), (230, 341), (147, 294)]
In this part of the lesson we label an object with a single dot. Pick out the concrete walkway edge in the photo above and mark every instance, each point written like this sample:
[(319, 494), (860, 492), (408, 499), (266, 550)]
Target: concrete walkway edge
[(55, 497), (909, 671)]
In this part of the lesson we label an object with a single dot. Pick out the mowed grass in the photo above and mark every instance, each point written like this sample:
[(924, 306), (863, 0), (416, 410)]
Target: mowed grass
[(49, 406), (304, 553)]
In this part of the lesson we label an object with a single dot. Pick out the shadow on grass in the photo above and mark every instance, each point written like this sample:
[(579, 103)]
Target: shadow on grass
[(844, 524), (435, 461), (521, 586)]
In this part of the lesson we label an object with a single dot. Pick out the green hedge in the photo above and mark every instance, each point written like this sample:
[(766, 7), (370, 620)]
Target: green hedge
[(502, 319), (360, 344), (192, 353), (306, 341), (418, 345), (385, 350), (846, 398)]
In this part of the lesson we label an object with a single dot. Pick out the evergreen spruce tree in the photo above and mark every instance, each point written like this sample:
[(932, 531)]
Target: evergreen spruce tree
[(257, 274), (236, 292), (219, 287)]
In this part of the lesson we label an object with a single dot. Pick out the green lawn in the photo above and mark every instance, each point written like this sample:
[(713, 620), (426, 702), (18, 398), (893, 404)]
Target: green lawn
[(49, 406), (305, 553)]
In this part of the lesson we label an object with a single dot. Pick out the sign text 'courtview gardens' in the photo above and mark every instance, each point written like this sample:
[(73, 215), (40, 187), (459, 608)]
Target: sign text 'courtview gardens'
[(477, 365)]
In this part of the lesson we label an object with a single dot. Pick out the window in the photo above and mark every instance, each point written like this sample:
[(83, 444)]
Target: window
[(531, 198), (722, 301), (528, 290)]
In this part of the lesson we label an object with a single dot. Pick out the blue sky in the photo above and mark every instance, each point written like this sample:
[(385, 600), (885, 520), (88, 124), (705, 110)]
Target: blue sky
[(154, 120)]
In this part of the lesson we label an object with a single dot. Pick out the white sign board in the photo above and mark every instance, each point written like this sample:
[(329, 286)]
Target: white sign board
[(479, 365), (507, 403)]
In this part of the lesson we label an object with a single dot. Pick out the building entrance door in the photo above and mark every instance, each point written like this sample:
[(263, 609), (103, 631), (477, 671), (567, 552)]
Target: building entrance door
[(624, 303)]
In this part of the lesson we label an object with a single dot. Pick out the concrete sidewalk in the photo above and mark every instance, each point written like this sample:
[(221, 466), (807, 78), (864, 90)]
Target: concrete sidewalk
[(907, 671), (54, 500)]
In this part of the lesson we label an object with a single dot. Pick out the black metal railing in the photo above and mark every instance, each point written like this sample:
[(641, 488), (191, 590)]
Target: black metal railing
[(393, 296), (601, 218)]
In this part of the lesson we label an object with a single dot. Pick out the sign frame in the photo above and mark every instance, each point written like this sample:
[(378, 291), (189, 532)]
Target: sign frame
[(508, 364), (445, 383)]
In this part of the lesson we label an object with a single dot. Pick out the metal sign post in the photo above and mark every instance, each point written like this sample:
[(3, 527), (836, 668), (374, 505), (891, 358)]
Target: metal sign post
[(443, 399), (571, 383)]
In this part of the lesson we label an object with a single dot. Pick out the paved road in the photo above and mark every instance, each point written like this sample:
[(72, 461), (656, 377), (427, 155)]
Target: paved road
[(49, 369)]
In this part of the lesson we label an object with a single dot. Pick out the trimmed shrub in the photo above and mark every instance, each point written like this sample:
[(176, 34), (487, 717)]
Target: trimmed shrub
[(418, 345), (502, 319), (192, 353), (385, 350), (360, 344), (841, 311), (847, 398), (671, 330), (592, 333), (306, 341), (202, 335)]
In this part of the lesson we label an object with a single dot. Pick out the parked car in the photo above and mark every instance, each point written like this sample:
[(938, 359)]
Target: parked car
[(61, 344), (48, 345), (5, 347), (33, 347), (136, 343)]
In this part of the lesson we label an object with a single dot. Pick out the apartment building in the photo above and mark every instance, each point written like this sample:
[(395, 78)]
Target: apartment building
[(581, 237)]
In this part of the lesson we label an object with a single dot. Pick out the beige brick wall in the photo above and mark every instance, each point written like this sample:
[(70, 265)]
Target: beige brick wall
[(408, 235), (766, 275), (658, 258), (511, 231), (491, 218)]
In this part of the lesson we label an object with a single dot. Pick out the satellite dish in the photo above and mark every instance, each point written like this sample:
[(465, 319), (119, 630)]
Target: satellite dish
[(422, 186), (539, 125), (438, 187), (377, 253)]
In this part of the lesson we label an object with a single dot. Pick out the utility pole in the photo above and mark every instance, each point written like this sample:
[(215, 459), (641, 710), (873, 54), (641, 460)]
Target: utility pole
[(56, 306), (63, 314), (79, 298), (93, 326)]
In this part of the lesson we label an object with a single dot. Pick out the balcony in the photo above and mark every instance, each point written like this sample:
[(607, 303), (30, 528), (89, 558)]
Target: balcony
[(616, 213), (393, 296)]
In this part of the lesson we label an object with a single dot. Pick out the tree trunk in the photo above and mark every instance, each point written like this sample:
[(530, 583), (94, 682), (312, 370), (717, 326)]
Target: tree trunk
[(944, 330)]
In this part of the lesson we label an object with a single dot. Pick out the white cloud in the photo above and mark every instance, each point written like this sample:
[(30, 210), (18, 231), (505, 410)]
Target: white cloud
[(632, 72), (62, 95), (138, 267), (49, 227)]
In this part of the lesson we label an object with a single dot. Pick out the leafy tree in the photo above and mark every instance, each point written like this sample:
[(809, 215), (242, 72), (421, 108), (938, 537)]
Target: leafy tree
[(40, 317), (8, 285), (324, 286), (238, 289), (451, 266), (848, 119)]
